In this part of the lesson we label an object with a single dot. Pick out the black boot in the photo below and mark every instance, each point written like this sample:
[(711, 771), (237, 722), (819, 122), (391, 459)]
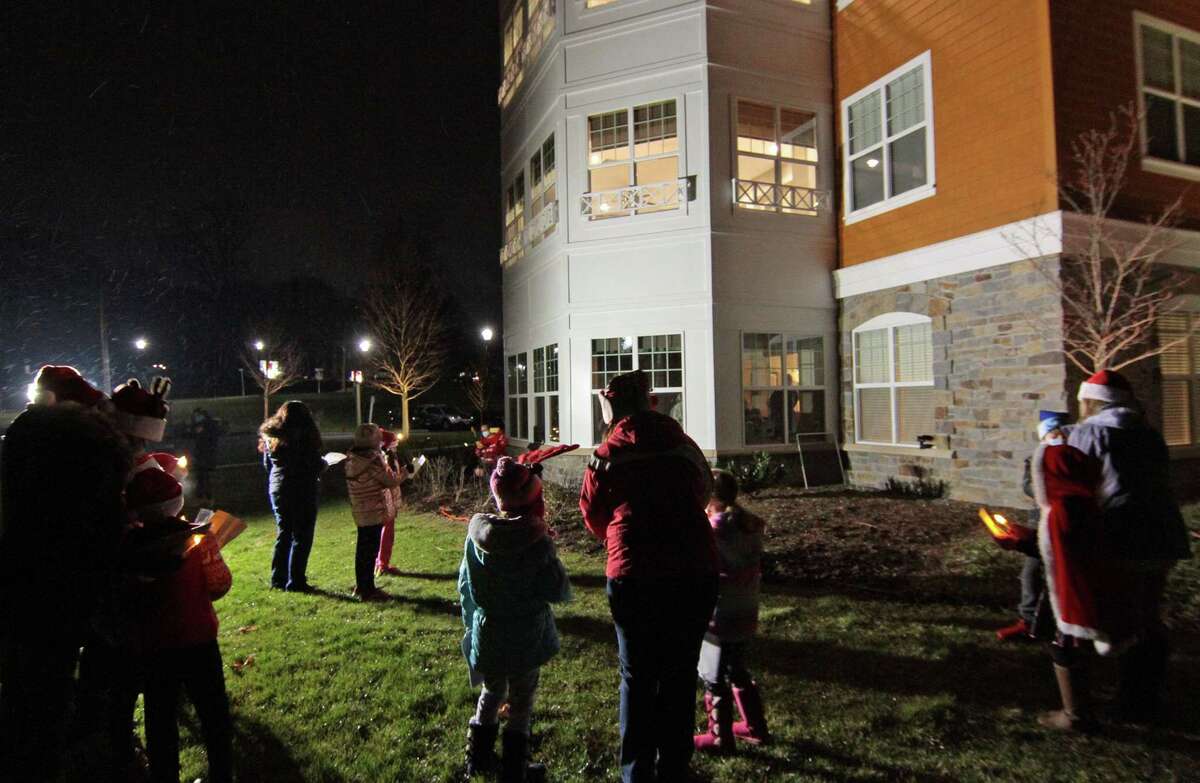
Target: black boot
[(481, 748), (515, 766), (1142, 674)]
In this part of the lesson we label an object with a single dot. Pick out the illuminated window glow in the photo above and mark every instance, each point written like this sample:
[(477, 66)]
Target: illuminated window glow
[(893, 380), (776, 155), (618, 159), (783, 388)]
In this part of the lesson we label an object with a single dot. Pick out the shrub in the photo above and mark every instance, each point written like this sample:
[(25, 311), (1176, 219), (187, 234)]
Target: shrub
[(754, 472), (920, 489)]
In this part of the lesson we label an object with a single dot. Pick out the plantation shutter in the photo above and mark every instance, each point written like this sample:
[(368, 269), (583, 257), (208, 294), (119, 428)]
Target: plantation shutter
[(875, 415), (914, 413), (1175, 360), (1176, 411), (914, 353)]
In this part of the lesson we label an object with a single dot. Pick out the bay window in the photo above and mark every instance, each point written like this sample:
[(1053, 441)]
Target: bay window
[(1169, 68), (893, 379), (776, 159), (514, 219), (545, 394), (660, 356), (1180, 365), (783, 388), (517, 386), (647, 157), (543, 188), (888, 129)]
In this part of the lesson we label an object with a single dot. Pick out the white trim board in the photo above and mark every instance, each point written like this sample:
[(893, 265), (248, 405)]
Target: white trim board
[(983, 249)]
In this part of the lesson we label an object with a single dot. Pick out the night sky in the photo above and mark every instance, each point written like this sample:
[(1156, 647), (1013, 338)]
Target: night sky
[(296, 144)]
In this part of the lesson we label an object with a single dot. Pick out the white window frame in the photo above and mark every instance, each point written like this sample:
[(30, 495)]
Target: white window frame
[(511, 379), (635, 364), (786, 386), (537, 191), (632, 161), (777, 158), (850, 216), (889, 322), (541, 399), (1190, 310), (1173, 168)]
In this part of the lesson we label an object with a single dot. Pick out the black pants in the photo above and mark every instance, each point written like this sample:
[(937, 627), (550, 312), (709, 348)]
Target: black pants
[(36, 687), (204, 482), (659, 629), (197, 670), (110, 680), (365, 552)]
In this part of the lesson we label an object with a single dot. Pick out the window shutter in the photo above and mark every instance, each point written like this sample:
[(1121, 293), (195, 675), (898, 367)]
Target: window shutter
[(875, 415), (1171, 328), (914, 414), (1176, 412), (914, 353)]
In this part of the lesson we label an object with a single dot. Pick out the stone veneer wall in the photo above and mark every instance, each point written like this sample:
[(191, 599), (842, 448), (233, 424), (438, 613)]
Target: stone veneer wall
[(993, 368)]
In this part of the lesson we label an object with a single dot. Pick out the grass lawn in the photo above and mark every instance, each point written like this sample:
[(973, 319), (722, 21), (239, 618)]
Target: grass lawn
[(862, 685)]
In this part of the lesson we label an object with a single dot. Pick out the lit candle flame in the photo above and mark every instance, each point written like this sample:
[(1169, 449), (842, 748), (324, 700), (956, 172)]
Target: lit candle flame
[(997, 526), (182, 462)]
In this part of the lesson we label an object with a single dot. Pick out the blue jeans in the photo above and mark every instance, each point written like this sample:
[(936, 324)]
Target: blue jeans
[(295, 523), (660, 625)]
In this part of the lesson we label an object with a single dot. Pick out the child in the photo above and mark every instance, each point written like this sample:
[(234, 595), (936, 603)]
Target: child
[(370, 482), (739, 536), (491, 446), (175, 632), (510, 575), (403, 472)]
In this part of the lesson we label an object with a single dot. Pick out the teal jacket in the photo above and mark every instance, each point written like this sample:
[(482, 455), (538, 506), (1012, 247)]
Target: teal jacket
[(510, 574)]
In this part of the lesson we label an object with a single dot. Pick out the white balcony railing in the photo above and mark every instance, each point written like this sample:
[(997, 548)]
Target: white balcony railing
[(655, 197), (786, 198), (540, 26), (534, 232)]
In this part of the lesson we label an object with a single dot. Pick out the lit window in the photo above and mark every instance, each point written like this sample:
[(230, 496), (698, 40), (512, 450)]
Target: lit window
[(893, 379), (647, 158), (598, 3), (888, 130), (776, 159), (1180, 365), (545, 394), (514, 217), (514, 31), (1170, 91), (660, 356), (517, 386), (543, 181), (783, 388)]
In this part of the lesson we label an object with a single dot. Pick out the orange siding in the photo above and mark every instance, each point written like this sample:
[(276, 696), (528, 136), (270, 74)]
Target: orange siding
[(1095, 73), (993, 113)]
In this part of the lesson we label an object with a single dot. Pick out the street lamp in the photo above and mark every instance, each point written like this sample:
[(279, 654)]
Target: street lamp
[(487, 334), (141, 343), (364, 345), (259, 345)]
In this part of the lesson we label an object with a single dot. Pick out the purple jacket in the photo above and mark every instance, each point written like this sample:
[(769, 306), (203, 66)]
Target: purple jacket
[(739, 536)]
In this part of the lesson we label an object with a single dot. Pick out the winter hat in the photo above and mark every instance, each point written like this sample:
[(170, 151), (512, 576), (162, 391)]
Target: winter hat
[(365, 436), (140, 413), (1050, 420), (515, 485), (172, 465), (388, 439), (1106, 386), (59, 383), (154, 491)]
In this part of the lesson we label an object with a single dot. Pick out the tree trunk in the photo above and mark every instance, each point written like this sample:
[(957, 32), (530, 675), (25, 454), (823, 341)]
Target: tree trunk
[(105, 363), (266, 405), (404, 425)]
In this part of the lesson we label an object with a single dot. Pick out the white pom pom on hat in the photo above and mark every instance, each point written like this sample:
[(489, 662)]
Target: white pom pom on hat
[(1106, 386)]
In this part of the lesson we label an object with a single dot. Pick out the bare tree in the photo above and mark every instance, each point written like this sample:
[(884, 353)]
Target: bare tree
[(1111, 280), (274, 367), (405, 314), (476, 380)]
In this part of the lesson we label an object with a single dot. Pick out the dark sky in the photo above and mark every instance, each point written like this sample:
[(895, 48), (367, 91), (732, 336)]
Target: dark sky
[(331, 123)]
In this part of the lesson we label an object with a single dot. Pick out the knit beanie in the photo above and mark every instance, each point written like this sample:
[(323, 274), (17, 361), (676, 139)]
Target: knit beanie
[(514, 485), (1106, 386)]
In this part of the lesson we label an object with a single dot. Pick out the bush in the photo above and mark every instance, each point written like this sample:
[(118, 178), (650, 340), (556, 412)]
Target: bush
[(919, 489), (754, 472)]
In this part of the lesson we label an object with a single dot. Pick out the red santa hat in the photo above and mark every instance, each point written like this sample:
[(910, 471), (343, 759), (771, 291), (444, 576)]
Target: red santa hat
[(59, 383), (388, 439), (515, 485), (142, 413), (1106, 386), (175, 467), (154, 491)]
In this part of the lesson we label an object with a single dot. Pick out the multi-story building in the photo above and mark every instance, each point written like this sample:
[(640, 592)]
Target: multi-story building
[(956, 120), (666, 174)]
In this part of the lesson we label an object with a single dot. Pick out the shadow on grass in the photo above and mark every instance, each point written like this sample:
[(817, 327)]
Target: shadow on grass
[(259, 755), (872, 772)]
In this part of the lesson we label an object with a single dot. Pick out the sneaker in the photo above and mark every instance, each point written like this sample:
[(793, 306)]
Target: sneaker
[(1017, 632), (301, 588), (374, 594)]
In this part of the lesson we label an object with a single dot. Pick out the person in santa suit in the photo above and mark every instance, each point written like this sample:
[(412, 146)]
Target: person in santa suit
[(491, 446), (62, 472), (1146, 531), (141, 413)]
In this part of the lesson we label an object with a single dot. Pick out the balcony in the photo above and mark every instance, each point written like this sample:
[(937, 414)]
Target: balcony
[(637, 199), (541, 25), (770, 197), (534, 232)]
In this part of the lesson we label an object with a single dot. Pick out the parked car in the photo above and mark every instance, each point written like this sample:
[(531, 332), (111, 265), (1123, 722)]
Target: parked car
[(435, 416)]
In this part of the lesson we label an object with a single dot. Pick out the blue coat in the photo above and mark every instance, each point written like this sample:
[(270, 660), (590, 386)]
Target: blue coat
[(294, 477), (510, 574)]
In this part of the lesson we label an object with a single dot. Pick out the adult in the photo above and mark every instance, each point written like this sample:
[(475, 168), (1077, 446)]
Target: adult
[(62, 470), (291, 448), (644, 495), (1142, 522), (206, 434)]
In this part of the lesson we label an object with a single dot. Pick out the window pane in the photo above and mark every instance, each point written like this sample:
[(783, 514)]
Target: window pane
[(906, 101), (523, 417), (763, 417), (914, 353), (908, 162), (806, 362), (762, 360), (513, 422), (523, 373), (1176, 412), (798, 135), (1189, 67), (806, 413), (657, 170), (1158, 62), (875, 415), (865, 127), (670, 404), (552, 368), (608, 137), (598, 425), (535, 172), (871, 356), (798, 175), (608, 178), (755, 128), (553, 434), (1191, 135), (1162, 138), (654, 129), (539, 370), (1171, 328), (866, 180), (539, 420), (548, 154), (756, 169), (914, 409)]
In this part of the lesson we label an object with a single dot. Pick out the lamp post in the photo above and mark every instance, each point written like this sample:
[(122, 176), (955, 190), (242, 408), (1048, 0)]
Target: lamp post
[(364, 346)]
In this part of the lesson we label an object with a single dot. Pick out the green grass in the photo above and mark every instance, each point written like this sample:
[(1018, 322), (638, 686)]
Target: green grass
[(861, 685)]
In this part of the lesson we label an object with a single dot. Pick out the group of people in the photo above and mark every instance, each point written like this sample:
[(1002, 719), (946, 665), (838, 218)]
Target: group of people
[(100, 572), (1108, 532)]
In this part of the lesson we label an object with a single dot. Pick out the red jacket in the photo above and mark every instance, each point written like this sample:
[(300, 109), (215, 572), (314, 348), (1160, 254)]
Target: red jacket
[(492, 447), (177, 610), (644, 494)]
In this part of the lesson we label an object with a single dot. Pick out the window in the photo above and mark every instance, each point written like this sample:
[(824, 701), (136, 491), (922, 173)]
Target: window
[(1180, 365), (776, 159), (888, 130), (661, 356), (514, 218), (647, 157), (518, 395), (783, 388), (598, 3), (543, 179), (1169, 67), (545, 394), (514, 32), (893, 379)]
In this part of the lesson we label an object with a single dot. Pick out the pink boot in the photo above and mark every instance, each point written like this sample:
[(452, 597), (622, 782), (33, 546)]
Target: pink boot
[(719, 738), (753, 726), (383, 560)]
